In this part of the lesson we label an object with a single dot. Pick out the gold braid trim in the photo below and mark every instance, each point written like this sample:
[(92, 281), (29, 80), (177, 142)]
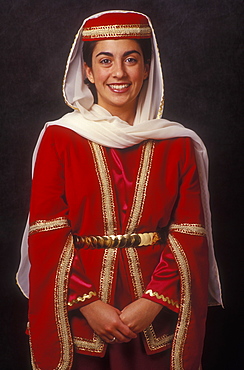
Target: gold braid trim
[(33, 361), (48, 225), (82, 299), (61, 314), (141, 186), (92, 345), (109, 257), (190, 229), (161, 296), (185, 304), (155, 343), (102, 171), (60, 304), (117, 31)]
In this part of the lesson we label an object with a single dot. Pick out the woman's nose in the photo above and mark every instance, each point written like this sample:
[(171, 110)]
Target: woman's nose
[(118, 70)]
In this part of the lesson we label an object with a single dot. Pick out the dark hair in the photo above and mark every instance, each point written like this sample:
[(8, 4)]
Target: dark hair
[(89, 46), (87, 50)]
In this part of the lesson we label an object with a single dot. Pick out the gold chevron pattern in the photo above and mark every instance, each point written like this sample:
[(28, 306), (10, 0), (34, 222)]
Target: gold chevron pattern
[(161, 296), (82, 299)]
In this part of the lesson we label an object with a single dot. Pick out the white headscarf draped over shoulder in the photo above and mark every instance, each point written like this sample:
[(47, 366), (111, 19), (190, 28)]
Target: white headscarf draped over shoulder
[(97, 124)]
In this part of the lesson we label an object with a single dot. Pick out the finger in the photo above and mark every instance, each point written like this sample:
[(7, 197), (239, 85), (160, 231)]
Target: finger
[(108, 339), (117, 311), (126, 331), (122, 337)]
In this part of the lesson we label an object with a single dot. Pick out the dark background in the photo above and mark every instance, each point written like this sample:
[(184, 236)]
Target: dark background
[(200, 45)]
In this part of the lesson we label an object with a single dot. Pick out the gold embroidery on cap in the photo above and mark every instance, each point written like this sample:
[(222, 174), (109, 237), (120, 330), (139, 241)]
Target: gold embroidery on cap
[(117, 30)]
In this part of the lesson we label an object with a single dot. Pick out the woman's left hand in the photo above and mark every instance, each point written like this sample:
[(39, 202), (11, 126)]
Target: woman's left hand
[(139, 314)]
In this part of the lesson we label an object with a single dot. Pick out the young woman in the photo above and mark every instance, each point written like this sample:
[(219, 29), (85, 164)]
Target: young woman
[(120, 248)]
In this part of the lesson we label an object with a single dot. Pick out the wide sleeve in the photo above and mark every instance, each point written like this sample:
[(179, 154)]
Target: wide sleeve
[(51, 253), (50, 225), (183, 266)]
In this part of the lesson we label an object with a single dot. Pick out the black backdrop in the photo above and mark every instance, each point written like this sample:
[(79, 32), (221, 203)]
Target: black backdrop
[(200, 45)]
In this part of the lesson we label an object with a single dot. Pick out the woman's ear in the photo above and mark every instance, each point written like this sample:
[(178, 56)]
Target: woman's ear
[(89, 73), (146, 70)]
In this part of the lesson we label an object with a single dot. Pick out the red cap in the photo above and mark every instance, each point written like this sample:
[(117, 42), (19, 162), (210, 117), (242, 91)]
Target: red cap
[(116, 26)]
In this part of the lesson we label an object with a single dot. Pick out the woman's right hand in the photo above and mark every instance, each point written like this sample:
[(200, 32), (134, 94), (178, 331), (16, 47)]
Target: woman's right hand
[(105, 321)]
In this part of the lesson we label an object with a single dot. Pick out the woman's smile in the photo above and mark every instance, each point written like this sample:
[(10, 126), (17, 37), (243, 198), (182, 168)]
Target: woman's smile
[(119, 88)]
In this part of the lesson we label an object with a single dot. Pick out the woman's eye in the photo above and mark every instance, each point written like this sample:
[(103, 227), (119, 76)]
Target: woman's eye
[(131, 60), (105, 61)]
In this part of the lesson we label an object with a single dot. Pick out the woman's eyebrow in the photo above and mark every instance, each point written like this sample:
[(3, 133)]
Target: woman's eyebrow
[(108, 54), (131, 52), (104, 53)]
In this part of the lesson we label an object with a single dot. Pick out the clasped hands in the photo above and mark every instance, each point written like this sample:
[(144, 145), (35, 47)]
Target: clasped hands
[(115, 326)]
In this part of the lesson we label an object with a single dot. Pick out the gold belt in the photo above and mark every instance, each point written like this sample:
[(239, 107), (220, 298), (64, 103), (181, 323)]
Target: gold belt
[(117, 241)]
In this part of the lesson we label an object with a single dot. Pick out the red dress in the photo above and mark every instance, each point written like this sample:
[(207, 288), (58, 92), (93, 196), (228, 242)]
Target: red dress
[(83, 188)]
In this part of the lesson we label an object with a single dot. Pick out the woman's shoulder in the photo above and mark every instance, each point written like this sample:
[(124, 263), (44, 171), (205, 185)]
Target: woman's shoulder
[(175, 143), (176, 150), (60, 134)]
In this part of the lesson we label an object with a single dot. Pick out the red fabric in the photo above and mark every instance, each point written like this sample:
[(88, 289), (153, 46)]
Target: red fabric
[(124, 356), (65, 184), (111, 19)]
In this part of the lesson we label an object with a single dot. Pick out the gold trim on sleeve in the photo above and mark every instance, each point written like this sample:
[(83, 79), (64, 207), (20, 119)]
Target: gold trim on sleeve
[(190, 229), (185, 304), (60, 305), (162, 297), (48, 225), (82, 299)]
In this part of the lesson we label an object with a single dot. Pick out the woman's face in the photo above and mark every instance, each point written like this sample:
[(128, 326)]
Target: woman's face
[(118, 72)]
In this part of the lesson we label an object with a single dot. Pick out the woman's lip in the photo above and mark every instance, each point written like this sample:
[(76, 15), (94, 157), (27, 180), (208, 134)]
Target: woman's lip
[(119, 87)]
